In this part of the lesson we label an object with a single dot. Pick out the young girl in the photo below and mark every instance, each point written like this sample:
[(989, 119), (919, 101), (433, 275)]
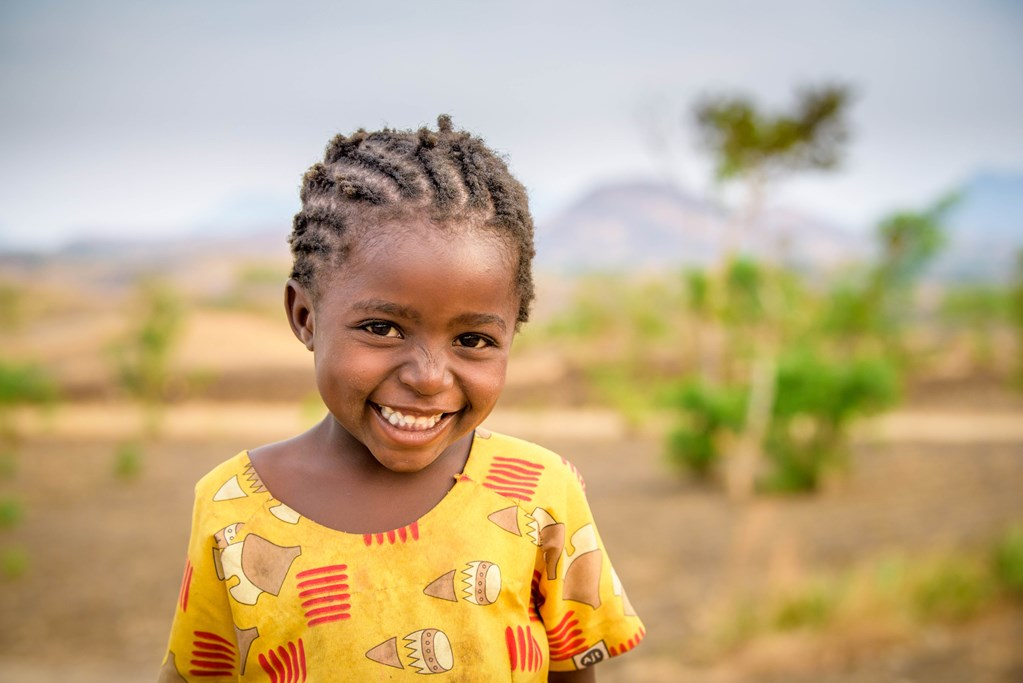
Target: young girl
[(397, 537)]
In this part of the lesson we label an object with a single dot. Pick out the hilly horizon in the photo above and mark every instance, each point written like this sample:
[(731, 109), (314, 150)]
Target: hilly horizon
[(649, 225), (652, 225), (639, 225)]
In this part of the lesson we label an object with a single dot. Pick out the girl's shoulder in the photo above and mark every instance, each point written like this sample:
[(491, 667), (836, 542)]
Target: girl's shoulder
[(490, 445), (501, 458), (235, 478)]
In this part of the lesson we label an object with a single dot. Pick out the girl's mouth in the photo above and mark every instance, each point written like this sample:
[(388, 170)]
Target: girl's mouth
[(410, 422)]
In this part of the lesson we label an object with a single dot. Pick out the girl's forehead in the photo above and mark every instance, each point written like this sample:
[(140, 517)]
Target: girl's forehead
[(380, 239), (413, 251)]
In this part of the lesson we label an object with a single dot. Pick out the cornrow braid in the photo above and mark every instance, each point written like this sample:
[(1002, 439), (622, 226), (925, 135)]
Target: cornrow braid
[(451, 175)]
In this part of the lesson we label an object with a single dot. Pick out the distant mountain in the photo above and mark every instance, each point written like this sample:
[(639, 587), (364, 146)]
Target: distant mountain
[(644, 225), (985, 230), (637, 225)]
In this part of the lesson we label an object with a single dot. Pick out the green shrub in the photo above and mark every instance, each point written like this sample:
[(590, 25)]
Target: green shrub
[(11, 512), (143, 358), (25, 383), (813, 608), (708, 413), (697, 289), (128, 460), (14, 562), (745, 280), (1007, 561), (816, 400), (951, 591)]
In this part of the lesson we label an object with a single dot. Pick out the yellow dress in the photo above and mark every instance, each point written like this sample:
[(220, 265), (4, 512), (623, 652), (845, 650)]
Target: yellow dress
[(505, 579)]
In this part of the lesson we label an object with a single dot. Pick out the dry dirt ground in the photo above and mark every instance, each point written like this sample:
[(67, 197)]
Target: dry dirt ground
[(105, 554)]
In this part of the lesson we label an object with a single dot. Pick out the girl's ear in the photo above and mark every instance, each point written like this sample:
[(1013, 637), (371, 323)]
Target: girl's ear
[(298, 305)]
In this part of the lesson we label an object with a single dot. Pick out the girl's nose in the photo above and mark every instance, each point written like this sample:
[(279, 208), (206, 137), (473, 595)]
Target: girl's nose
[(426, 373)]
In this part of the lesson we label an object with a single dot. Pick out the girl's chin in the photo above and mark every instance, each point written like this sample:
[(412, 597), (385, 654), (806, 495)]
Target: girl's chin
[(410, 450), (404, 466)]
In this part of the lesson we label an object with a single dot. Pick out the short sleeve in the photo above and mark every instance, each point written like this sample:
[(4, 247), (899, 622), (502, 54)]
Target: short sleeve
[(204, 644), (579, 597)]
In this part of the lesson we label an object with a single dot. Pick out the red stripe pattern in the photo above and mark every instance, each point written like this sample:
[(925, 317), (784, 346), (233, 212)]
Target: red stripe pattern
[(403, 535), (186, 585), (513, 477), (285, 664), (628, 644), (212, 656), (523, 650), (576, 472), (565, 640), (324, 594)]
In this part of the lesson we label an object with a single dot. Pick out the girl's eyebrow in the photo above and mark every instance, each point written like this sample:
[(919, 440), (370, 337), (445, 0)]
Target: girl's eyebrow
[(387, 308), (479, 320), (390, 308)]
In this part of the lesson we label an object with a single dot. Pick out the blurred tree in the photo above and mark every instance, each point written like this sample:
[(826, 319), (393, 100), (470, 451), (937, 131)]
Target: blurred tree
[(622, 334), (818, 396), (20, 384), (713, 413), (758, 148), (747, 141), (874, 309), (143, 358), (749, 144), (1016, 314), (840, 356)]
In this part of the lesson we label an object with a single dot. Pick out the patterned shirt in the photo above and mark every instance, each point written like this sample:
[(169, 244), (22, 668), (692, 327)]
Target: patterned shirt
[(504, 579)]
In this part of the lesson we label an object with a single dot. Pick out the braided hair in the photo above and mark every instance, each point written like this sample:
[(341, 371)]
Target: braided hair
[(369, 177)]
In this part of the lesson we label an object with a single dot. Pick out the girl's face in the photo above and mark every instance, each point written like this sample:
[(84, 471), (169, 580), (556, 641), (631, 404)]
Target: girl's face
[(411, 338)]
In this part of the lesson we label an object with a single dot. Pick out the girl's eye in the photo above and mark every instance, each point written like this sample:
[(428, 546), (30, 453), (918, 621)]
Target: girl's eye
[(382, 329), (473, 341)]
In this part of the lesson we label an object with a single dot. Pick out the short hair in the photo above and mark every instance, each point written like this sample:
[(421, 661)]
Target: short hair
[(393, 173)]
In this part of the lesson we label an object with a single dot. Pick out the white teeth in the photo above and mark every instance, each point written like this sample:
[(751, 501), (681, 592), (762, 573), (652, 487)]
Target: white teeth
[(409, 421)]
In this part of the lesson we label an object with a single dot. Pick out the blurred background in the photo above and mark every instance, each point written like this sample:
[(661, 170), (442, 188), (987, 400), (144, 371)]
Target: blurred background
[(778, 326)]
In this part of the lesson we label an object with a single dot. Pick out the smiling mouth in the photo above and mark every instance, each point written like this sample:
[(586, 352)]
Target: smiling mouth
[(410, 422)]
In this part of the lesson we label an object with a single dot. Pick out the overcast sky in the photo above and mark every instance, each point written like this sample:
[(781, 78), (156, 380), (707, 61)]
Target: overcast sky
[(149, 118)]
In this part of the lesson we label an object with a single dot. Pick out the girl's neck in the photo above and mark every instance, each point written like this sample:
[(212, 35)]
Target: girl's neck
[(332, 479)]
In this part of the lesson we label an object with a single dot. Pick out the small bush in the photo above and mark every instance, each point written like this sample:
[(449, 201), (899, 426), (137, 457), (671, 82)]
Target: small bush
[(745, 282), (951, 591), (14, 562), (813, 608), (709, 413), (1007, 562), (143, 358), (25, 383), (817, 398), (11, 512), (128, 460)]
